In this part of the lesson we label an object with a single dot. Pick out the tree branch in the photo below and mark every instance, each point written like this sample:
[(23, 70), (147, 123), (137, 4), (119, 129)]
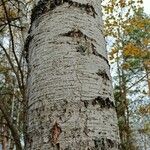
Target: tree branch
[(13, 129), (13, 47)]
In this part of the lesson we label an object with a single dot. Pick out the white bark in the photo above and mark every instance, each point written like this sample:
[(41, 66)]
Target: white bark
[(69, 85)]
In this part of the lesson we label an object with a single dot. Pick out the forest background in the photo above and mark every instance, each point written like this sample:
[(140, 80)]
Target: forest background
[(127, 34)]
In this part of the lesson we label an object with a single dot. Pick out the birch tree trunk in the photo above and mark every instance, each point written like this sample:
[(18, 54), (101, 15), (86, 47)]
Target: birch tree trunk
[(70, 100)]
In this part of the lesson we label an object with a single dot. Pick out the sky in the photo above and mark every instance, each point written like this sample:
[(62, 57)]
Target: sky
[(147, 6)]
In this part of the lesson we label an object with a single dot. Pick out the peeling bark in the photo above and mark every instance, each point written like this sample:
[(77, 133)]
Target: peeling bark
[(71, 105)]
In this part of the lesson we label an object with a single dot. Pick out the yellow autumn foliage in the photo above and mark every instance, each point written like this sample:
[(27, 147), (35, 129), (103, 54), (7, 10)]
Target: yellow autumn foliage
[(145, 109), (136, 23), (1, 12), (125, 66), (146, 41), (147, 64), (146, 128), (122, 3), (144, 53), (12, 13), (128, 29), (112, 53), (131, 50)]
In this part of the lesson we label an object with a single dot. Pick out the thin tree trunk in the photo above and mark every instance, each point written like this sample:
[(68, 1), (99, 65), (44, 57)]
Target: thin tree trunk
[(148, 79), (4, 138), (12, 115), (70, 100), (11, 126)]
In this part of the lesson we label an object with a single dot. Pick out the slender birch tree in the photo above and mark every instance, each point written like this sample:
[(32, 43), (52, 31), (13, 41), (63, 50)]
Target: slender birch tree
[(69, 90)]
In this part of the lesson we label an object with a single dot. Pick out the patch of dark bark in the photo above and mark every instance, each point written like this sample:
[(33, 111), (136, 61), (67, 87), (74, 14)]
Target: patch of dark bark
[(102, 74), (26, 47), (105, 143), (75, 33), (44, 6), (103, 102)]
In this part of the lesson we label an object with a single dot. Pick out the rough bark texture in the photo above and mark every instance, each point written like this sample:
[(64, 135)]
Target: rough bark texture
[(70, 100)]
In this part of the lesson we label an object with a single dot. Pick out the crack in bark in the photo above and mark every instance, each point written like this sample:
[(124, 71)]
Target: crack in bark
[(79, 81), (86, 130), (86, 103), (30, 141), (58, 146), (97, 54), (44, 6), (102, 74)]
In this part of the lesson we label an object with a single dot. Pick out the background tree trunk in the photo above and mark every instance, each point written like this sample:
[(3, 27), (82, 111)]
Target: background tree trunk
[(4, 139), (70, 100)]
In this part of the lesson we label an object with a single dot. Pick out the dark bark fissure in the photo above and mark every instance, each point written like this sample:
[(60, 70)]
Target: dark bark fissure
[(58, 146), (26, 47), (86, 130), (44, 6), (86, 103), (97, 54)]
